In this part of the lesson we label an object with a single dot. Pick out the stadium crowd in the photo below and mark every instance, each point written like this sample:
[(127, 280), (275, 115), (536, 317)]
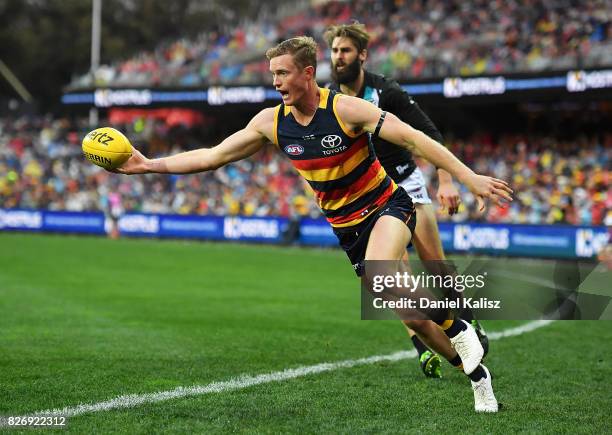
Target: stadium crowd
[(41, 166), (410, 39)]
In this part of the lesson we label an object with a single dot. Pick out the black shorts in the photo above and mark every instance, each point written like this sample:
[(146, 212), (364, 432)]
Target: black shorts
[(354, 239)]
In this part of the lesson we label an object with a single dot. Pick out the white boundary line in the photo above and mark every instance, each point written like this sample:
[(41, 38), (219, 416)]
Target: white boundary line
[(245, 381)]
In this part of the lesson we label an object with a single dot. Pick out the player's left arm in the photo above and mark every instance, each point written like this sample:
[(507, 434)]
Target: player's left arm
[(360, 115), (397, 101)]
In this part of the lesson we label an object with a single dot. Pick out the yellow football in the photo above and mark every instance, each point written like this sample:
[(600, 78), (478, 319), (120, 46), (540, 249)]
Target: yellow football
[(106, 147)]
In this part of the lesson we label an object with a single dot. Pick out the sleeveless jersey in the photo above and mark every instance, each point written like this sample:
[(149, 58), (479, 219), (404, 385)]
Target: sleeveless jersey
[(348, 181)]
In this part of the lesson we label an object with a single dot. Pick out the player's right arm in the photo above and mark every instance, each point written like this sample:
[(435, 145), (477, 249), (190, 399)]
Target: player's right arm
[(238, 146)]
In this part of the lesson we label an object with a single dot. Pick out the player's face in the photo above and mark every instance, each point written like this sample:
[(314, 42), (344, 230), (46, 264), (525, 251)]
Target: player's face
[(289, 79), (346, 61)]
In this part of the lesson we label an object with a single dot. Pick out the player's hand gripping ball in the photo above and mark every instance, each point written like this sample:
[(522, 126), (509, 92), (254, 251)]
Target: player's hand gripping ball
[(107, 147)]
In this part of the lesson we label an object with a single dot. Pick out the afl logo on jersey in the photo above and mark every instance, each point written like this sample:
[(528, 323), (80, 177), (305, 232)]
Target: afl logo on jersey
[(294, 150), (331, 141)]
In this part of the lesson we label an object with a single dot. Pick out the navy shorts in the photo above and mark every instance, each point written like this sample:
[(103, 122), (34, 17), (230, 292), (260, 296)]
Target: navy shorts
[(354, 239)]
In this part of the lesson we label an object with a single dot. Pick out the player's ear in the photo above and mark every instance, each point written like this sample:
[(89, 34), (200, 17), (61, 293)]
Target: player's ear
[(363, 55), (309, 71)]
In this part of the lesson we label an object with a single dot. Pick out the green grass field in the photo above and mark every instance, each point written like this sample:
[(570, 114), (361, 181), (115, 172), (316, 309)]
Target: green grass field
[(84, 320)]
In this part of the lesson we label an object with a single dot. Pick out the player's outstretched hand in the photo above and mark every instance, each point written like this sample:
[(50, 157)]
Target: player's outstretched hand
[(137, 164), (491, 188), (448, 197)]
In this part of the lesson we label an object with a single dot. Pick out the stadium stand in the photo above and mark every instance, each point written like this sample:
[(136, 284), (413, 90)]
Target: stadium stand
[(41, 166), (557, 179), (413, 39)]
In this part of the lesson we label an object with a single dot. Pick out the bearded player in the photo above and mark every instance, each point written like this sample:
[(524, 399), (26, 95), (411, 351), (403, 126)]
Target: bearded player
[(348, 44)]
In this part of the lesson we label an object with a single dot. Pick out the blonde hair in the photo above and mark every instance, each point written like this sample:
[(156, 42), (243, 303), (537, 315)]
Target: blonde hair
[(356, 32), (302, 48)]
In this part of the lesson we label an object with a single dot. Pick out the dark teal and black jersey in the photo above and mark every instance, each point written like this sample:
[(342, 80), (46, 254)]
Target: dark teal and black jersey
[(348, 181), (389, 96)]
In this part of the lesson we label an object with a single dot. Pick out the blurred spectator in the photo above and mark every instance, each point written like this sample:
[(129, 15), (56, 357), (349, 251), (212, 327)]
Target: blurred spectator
[(554, 181), (410, 39)]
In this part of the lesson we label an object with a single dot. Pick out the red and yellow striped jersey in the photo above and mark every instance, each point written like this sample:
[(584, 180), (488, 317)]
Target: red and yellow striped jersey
[(349, 182)]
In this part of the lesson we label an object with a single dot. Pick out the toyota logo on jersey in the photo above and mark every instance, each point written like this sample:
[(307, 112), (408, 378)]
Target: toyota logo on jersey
[(331, 141)]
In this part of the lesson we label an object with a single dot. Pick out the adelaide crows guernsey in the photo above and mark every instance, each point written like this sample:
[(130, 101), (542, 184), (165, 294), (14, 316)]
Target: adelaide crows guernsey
[(348, 181)]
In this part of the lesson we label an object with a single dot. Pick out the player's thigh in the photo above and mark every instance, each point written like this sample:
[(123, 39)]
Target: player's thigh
[(388, 239), (426, 237)]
